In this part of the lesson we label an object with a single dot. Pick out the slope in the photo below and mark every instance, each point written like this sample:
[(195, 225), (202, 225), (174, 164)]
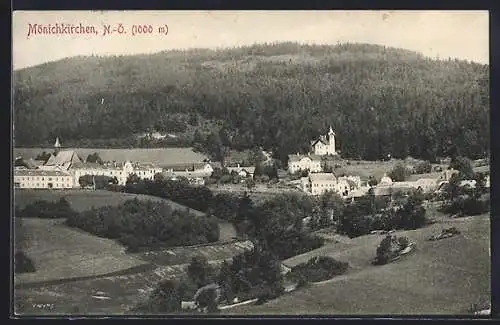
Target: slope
[(440, 277), (370, 95)]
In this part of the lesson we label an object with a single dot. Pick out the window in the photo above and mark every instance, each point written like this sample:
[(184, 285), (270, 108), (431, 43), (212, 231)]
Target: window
[(42, 178)]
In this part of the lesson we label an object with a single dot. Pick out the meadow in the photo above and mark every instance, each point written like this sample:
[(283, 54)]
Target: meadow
[(160, 156), (439, 277)]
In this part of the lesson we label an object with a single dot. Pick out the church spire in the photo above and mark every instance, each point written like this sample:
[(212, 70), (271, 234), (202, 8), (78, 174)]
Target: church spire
[(331, 131), (57, 145)]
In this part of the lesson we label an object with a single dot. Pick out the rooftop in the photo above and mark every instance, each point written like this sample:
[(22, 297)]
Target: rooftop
[(38, 172), (298, 157), (322, 177)]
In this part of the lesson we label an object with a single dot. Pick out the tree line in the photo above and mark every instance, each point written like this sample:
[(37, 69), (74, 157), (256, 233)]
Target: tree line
[(379, 100)]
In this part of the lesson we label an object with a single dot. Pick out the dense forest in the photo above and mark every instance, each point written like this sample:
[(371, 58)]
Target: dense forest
[(279, 96)]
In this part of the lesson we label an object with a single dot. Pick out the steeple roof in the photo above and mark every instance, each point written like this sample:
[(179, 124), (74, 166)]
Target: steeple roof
[(57, 144)]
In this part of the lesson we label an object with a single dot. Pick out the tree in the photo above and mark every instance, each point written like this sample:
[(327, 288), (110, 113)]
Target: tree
[(463, 165), (412, 213), (332, 207), (372, 181), (167, 297), (132, 179), (94, 158), (399, 173), (250, 183), (423, 167), (224, 281), (207, 297), (216, 148), (199, 270)]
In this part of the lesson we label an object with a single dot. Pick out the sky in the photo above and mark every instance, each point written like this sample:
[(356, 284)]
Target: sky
[(442, 34)]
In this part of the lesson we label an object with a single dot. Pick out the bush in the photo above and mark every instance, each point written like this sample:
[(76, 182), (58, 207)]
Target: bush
[(47, 210), (318, 268), (23, 264), (389, 248)]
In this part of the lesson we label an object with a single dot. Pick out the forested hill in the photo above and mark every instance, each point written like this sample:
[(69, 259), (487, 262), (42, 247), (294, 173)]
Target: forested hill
[(378, 100)]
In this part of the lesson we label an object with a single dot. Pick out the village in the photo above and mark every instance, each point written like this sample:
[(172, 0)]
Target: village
[(311, 173)]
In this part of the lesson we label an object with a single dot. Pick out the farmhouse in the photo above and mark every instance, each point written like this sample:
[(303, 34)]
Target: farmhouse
[(42, 179), (318, 183), (299, 162), (325, 144)]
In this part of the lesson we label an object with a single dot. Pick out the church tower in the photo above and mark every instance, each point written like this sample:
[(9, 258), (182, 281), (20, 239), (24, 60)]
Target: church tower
[(331, 142), (57, 146)]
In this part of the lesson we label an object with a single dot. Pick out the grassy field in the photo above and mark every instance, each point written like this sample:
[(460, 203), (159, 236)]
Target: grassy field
[(439, 277), (60, 252), (161, 156)]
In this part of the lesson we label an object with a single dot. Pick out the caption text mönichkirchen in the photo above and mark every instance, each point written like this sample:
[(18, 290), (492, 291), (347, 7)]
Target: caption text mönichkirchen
[(58, 29)]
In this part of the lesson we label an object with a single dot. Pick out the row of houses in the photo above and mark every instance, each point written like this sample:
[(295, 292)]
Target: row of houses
[(352, 187), (64, 168)]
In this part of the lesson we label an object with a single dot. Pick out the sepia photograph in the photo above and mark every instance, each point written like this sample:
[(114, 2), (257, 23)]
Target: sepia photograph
[(239, 163)]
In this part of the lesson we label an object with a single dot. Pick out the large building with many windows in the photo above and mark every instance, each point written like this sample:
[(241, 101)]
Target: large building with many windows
[(42, 179)]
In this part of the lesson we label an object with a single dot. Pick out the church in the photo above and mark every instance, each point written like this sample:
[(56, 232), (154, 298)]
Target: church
[(325, 144)]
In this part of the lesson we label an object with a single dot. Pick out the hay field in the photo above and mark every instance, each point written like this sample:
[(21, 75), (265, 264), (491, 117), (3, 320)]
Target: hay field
[(439, 277)]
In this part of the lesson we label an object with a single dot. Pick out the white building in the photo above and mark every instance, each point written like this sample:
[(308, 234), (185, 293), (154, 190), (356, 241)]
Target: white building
[(325, 144), (319, 183), (298, 162), (42, 179), (190, 171), (121, 171)]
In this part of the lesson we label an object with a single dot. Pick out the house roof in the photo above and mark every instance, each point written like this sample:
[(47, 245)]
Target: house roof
[(322, 140), (249, 170), (64, 157), (39, 172), (188, 174), (322, 177), (299, 157), (184, 166), (426, 181)]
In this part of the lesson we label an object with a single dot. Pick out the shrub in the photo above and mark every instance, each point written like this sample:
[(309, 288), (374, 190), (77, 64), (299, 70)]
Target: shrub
[(389, 248), (318, 268)]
